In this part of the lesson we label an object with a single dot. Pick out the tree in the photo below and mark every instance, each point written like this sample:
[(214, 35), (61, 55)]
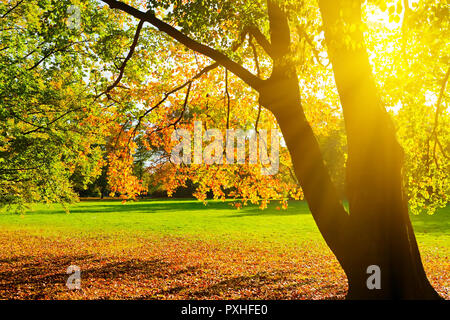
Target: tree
[(43, 105), (54, 123), (93, 99), (377, 229)]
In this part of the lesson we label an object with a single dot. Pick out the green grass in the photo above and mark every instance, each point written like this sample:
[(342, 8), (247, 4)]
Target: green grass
[(181, 249), (191, 218)]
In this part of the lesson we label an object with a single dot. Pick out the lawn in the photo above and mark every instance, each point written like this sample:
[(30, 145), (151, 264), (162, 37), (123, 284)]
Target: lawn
[(182, 249)]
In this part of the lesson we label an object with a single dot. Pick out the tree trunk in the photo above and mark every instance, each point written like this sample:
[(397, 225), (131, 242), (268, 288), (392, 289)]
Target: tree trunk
[(378, 230), (281, 96), (379, 224)]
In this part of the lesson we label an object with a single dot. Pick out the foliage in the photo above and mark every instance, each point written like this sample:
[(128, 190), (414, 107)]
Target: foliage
[(44, 106), (413, 78), (76, 102)]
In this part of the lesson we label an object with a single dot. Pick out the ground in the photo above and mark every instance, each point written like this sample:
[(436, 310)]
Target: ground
[(181, 249)]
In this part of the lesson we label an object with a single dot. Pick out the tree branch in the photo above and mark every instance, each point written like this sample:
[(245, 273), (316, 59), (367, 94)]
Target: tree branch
[(53, 52), (280, 34), (130, 54), (260, 39), (258, 72), (439, 102), (434, 132), (309, 41), (10, 10), (162, 26), (227, 95), (189, 82)]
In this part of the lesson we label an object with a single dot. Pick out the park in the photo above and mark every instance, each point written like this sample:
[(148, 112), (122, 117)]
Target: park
[(180, 249), (136, 162)]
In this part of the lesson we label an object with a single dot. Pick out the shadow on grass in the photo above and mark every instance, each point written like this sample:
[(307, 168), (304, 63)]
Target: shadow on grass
[(252, 282), (267, 285), (142, 207), (46, 278), (41, 279), (29, 278), (438, 223), (157, 206), (423, 223), (267, 212)]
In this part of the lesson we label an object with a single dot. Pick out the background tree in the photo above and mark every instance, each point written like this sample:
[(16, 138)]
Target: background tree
[(44, 138)]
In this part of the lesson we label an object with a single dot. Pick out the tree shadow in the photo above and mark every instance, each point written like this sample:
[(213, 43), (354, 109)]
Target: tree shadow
[(156, 206), (261, 213), (147, 207), (242, 282), (46, 278), (268, 285), (437, 223), (41, 278)]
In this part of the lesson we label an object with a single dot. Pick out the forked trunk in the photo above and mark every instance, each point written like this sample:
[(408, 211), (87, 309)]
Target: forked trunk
[(378, 230), (375, 242), (381, 231)]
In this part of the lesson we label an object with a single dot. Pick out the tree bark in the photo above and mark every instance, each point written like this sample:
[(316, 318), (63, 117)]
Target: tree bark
[(281, 96)]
